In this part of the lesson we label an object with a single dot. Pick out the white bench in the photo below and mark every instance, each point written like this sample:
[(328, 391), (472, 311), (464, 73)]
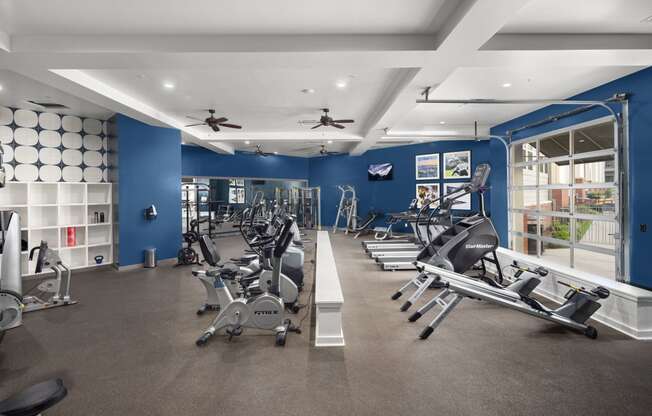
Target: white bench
[(628, 309), (328, 296)]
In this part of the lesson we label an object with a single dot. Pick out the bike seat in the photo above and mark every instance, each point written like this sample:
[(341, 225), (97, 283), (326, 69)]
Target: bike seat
[(35, 399)]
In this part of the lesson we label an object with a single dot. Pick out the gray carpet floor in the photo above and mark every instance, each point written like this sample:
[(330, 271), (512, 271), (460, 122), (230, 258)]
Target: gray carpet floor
[(128, 349)]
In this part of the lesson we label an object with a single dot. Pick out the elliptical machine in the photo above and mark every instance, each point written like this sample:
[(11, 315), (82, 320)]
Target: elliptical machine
[(265, 311), (462, 246)]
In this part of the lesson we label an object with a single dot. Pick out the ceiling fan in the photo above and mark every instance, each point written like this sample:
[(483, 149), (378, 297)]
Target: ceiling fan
[(322, 150), (259, 151), (325, 120), (212, 122)]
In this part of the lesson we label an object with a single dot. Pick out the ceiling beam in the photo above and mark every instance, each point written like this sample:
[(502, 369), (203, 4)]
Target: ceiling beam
[(5, 41), (218, 43), (470, 25), (556, 42)]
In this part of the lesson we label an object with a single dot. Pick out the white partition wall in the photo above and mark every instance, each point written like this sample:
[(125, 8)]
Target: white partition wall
[(328, 296), (47, 212)]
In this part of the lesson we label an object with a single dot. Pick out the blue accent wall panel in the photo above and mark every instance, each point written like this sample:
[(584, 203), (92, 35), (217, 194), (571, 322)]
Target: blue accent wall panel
[(639, 201), (387, 196), (197, 161), (149, 162)]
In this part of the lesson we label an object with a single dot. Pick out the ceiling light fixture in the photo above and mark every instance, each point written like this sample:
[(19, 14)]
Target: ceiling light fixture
[(442, 122), (330, 142), (275, 153), (1, 87), (507, 85), (247, 142), (168, 85), (647, 20), (308, 90), (341, 84)]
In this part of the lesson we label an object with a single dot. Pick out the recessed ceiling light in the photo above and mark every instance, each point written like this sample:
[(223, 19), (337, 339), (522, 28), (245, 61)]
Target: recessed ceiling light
[(647, 20), (330, 142), (247, 142), (507, 85), (275, 153), (168, 85), (141, 76), (1, 87), (308, 90), (341, 84), (442, 122)]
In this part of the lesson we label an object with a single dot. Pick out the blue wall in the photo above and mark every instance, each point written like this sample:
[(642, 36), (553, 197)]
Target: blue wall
[(197, 161), (149, 162), (638, 204), (385, 196)]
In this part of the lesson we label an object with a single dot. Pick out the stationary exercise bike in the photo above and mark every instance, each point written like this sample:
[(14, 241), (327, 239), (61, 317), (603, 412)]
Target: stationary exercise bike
[(59, 286), (265, 311)]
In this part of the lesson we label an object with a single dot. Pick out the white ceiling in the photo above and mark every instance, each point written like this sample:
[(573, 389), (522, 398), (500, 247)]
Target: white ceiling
[(259, 100), (470, 83), (250, 60), (582, 16), (49, 17), (16, 89)]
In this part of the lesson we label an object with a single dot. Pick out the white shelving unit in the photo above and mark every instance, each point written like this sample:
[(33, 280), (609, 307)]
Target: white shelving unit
[(46, 212)]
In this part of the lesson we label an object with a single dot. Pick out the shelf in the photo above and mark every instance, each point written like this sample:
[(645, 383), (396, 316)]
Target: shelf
[(99, 245), (72, 204), (98, 203), (72, 247), (13, 206), (98, 224)]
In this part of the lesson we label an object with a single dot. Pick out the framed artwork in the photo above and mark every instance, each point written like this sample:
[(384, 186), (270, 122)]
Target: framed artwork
[(240, 192), (233, 195), (463, 203), (457, 165), (427, 192), (427, 166)]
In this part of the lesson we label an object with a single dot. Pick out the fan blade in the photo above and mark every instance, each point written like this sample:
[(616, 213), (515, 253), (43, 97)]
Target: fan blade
[(348, 120), (318, 125), (334, 153), (195, 118), (198, 124), (337, 126), (215, 128), (232, 126), (309, 121), (220, 120), (266, 154)]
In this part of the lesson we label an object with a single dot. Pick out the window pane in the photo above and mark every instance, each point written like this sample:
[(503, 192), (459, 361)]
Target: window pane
[(554, 173), (524, 176), (555, 146), (593, 138), (596, 233), (524, 223), (596, 201), (524, 245), (596, 263), (524, 152), (556, 253), (595, 170), (556, 227), (557, 200), (524, 199)]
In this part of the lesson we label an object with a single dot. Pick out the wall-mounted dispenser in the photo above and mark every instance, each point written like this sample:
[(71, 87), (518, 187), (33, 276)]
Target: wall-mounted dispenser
[(150, 212)]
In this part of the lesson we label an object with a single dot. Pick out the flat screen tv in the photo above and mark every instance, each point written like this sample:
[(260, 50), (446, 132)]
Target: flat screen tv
[(380, 172)]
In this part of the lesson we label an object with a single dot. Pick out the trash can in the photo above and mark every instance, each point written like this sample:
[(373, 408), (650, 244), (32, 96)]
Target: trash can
[(150, 257)]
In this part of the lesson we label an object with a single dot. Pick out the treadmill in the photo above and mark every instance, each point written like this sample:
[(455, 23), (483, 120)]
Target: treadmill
[(392, 218)]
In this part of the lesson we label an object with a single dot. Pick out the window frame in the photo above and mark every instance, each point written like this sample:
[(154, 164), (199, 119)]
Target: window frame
[(619, 157)]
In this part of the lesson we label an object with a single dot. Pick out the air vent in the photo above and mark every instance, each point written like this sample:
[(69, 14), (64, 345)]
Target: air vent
[(49, 106)]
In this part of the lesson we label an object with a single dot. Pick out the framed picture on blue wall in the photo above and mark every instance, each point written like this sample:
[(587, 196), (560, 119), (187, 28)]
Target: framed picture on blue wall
[(457, 165), (463, 203), (427, 166), (427, 192)]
